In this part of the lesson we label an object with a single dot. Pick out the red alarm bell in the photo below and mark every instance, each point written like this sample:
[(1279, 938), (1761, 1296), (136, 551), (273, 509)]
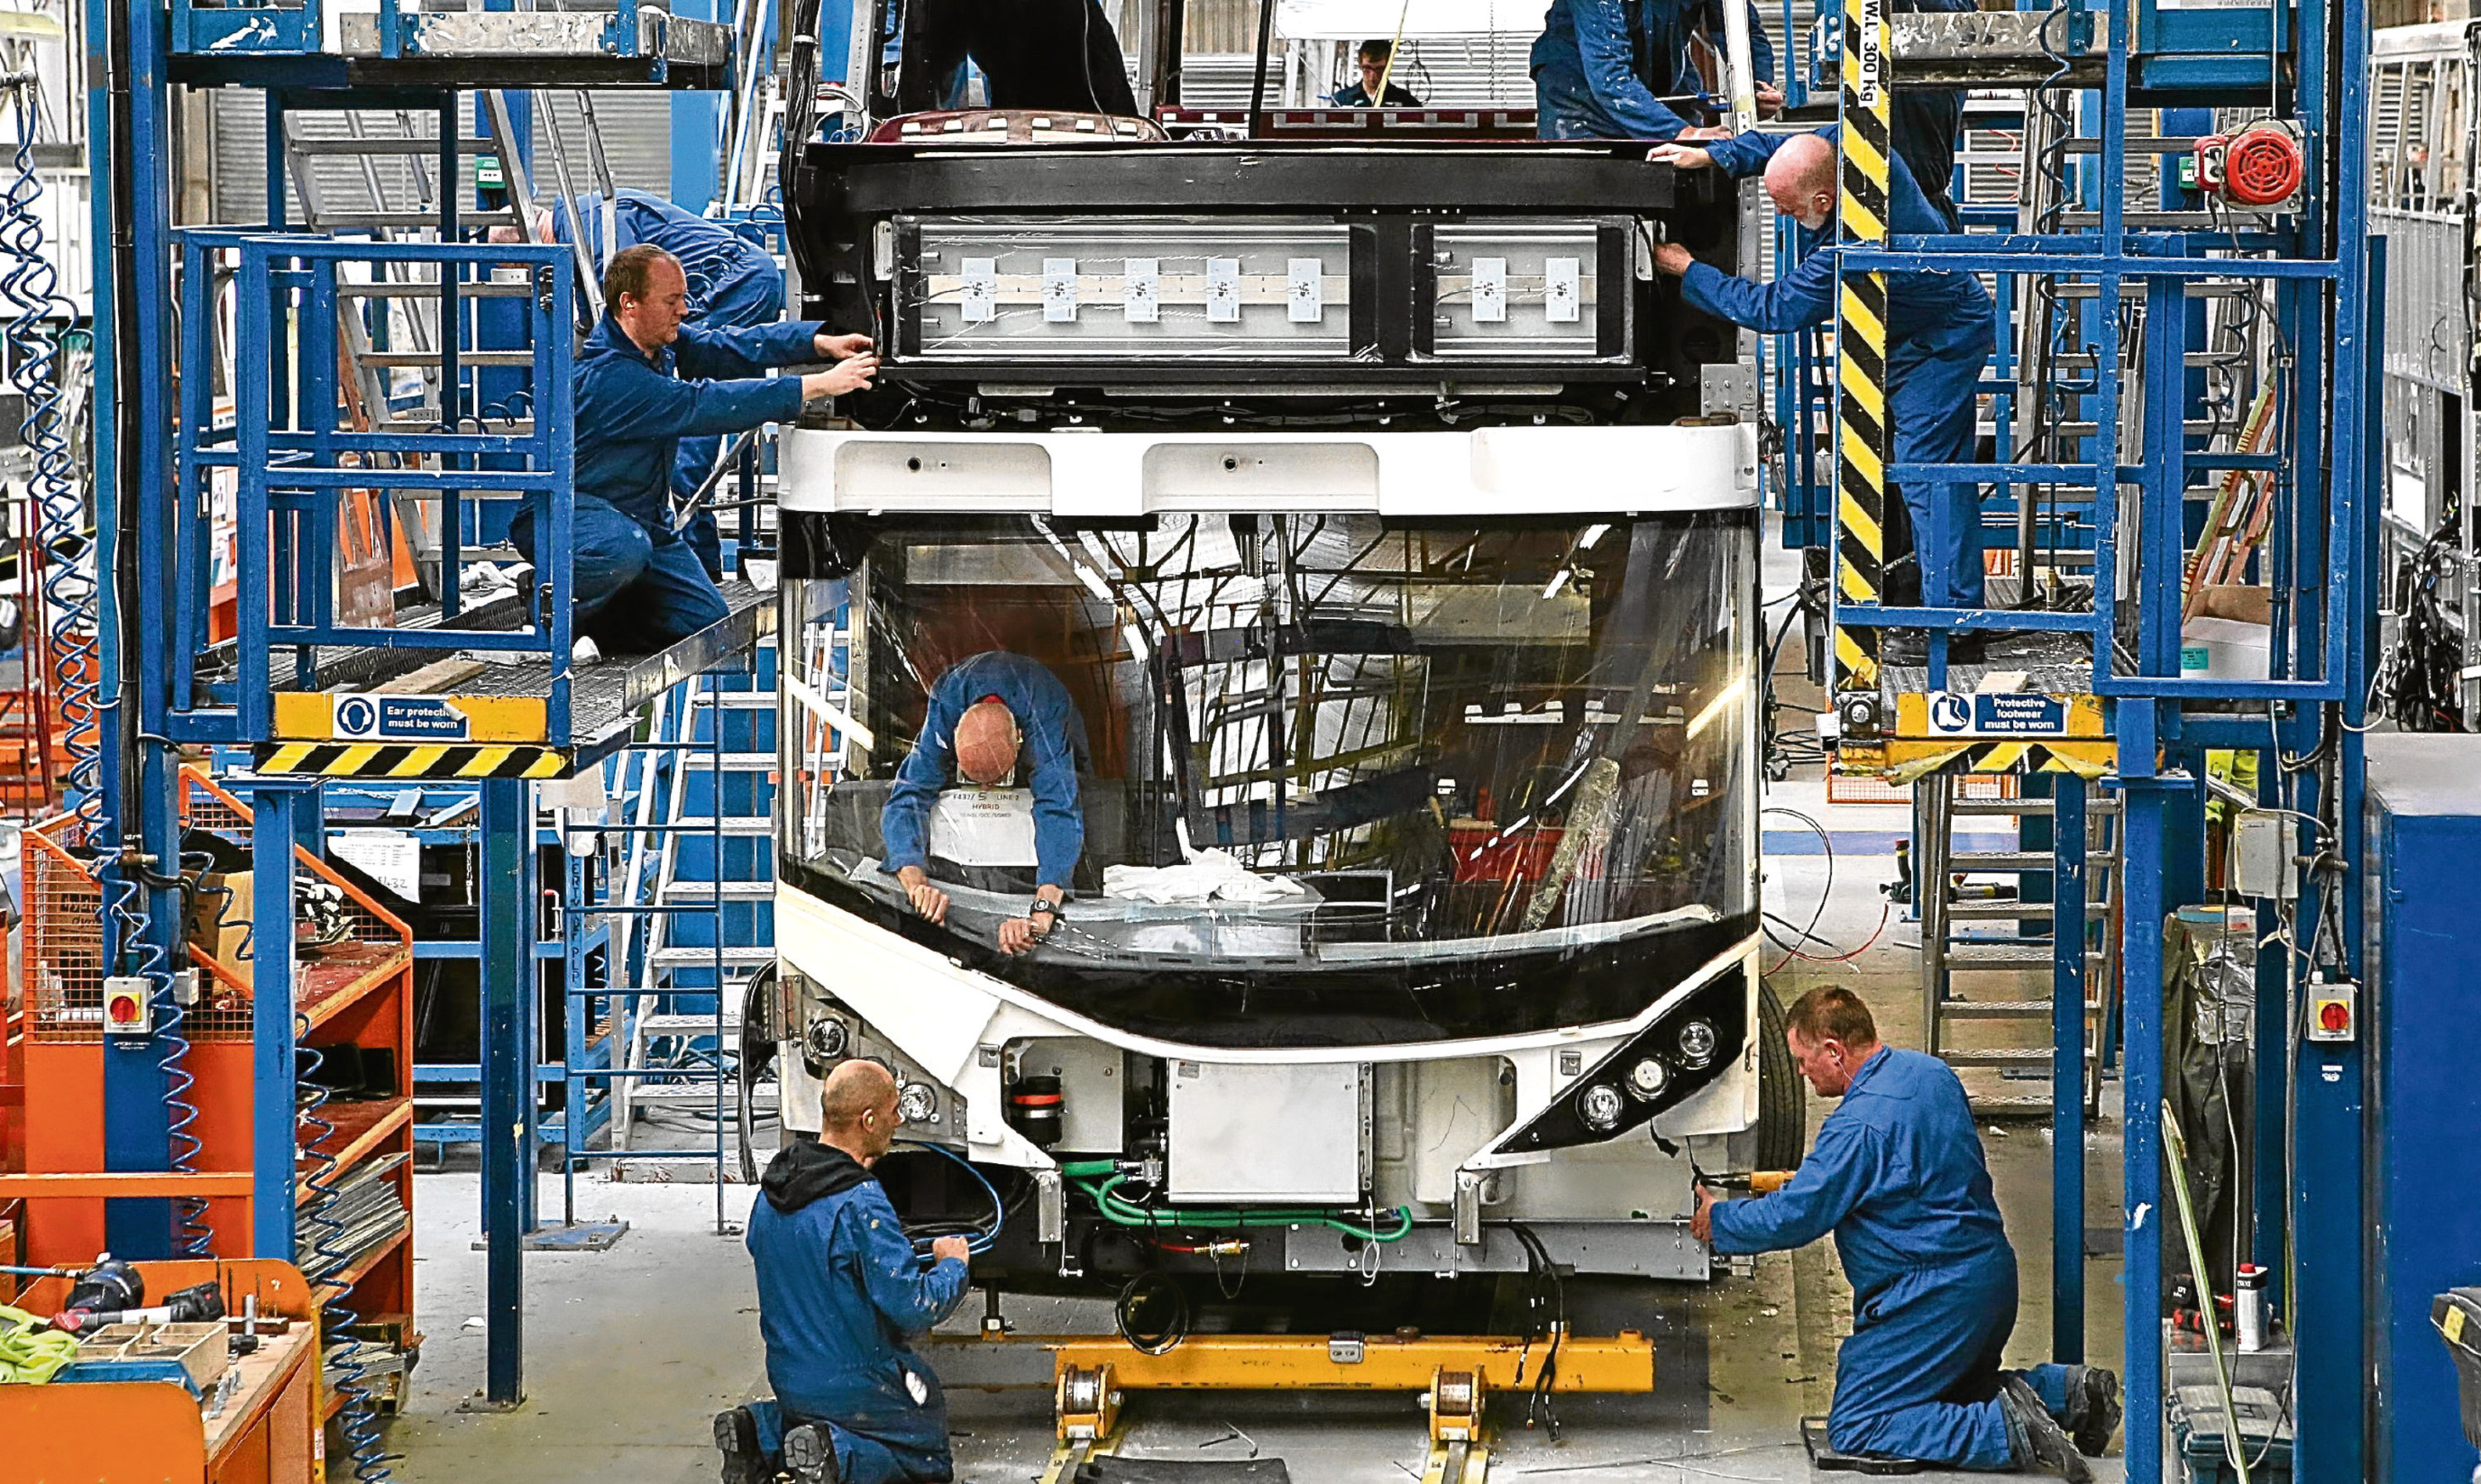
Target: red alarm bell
[(2263, 165)]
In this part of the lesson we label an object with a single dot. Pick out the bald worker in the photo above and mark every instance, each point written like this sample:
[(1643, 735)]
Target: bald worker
[(1940, 331), (840, 1292), (996, 721)]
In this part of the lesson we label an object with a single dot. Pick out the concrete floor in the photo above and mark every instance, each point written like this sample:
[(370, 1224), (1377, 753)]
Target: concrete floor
[(630, 1352)]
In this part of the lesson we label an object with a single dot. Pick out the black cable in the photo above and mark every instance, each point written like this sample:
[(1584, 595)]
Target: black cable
[(1141, 1292), (1539, 1405)]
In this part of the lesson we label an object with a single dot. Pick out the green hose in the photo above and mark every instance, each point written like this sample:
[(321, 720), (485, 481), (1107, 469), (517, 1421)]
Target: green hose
[(1123, 1212)]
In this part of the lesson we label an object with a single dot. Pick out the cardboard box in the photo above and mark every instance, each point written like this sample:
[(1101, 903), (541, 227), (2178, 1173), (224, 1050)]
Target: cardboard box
[(2237, 601), (219, 916)]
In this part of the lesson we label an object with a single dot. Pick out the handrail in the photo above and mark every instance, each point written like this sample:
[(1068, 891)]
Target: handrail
[(291, 458)]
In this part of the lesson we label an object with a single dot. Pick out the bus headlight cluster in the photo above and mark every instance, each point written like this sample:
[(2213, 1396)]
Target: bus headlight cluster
[(916, 1103)]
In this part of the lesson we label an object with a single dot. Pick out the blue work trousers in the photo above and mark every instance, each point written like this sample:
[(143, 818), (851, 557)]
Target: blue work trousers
[(1931, 398), (1920, 1376), (859, 1459), (636, 590), (743, 300)]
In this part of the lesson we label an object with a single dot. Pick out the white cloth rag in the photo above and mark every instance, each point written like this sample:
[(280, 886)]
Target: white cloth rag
[(1207, 875)]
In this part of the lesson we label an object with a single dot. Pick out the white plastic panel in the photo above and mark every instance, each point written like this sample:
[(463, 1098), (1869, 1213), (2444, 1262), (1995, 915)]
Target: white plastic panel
[(1484, 473)]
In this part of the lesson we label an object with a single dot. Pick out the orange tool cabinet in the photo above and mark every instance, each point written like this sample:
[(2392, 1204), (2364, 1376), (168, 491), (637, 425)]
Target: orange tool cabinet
[(154, 1432)]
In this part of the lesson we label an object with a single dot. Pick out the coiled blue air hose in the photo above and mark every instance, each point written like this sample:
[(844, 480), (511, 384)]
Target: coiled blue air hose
[(341, 1354)]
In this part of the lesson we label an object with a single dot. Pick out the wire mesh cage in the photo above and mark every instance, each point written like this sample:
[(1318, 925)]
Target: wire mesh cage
[(341, 937), (62, 951), (1841, 790)]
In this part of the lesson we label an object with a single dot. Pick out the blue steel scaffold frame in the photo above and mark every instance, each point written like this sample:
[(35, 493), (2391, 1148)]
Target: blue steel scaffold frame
[(296, 474), (2325, 276), (157, 445)]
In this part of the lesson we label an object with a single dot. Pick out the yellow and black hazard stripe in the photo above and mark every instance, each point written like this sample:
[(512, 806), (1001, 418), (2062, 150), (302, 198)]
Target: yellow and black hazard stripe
[(400, 760), (1906, 761), (1864, 436)]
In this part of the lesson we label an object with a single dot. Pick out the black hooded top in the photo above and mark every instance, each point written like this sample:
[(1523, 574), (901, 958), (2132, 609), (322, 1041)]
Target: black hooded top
[(808, 1170)]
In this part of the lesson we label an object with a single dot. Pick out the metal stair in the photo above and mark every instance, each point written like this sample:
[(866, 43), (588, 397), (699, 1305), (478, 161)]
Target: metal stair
[(1971, 975), (700, 855)]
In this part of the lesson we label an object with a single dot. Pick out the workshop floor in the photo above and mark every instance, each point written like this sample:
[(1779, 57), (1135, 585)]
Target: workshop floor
[(630, 1352)]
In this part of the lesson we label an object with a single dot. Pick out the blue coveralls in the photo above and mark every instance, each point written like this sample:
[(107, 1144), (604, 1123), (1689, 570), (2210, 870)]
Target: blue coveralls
[(1602, 67), (639, 586), (1941, 332), (734, 284), (1898, 1175), (1055, 751), (840, 1291)]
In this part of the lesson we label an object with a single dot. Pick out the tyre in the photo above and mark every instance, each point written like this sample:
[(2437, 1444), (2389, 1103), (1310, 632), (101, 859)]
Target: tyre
[(1783, 1098)]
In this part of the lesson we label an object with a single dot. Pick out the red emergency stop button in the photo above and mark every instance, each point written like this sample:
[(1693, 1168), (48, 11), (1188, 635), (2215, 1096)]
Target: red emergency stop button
[(2334, 1017), (123, 1012)]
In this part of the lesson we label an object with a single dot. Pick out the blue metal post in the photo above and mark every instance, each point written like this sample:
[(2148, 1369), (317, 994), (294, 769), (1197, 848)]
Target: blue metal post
[(2143, 800), (2068, 1068), (2270, 1177), (2330, 1091), (137, 1125), (280, 808), (452, 382), (508, 972)]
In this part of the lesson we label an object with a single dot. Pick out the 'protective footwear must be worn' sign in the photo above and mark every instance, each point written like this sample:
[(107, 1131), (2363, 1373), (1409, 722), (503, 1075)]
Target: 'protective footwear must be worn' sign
[(2003, 714)]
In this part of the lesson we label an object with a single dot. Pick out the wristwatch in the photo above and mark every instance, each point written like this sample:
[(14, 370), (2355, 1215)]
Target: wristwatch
[(1043, 906)]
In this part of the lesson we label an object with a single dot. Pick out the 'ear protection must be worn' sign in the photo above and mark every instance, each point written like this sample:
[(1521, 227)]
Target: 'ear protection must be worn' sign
[(399, 718), (378, 718)]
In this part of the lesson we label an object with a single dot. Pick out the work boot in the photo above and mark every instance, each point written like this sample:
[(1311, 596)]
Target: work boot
[(810, 1455), (736, 1438), (2036, 1436), (2093, 1408)]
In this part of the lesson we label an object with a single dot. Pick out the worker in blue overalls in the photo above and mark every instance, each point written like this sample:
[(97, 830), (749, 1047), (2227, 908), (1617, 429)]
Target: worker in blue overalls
[(993, 716), (1602, 68), (840, 1293), (1897, 1175), (734, 283), (1941, 332), (642, 385)]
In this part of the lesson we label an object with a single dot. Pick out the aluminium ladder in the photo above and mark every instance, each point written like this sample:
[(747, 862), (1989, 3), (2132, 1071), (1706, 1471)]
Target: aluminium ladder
[(1995, 968)]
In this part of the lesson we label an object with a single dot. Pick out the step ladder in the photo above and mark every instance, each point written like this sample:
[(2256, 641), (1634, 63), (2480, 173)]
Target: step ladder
[(700, 855), (1989, 959)]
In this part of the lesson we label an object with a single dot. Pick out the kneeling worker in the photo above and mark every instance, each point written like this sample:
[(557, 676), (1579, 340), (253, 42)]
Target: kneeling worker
[(1898, 1176), (993, 716), (639, 585), (838, 1293)]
